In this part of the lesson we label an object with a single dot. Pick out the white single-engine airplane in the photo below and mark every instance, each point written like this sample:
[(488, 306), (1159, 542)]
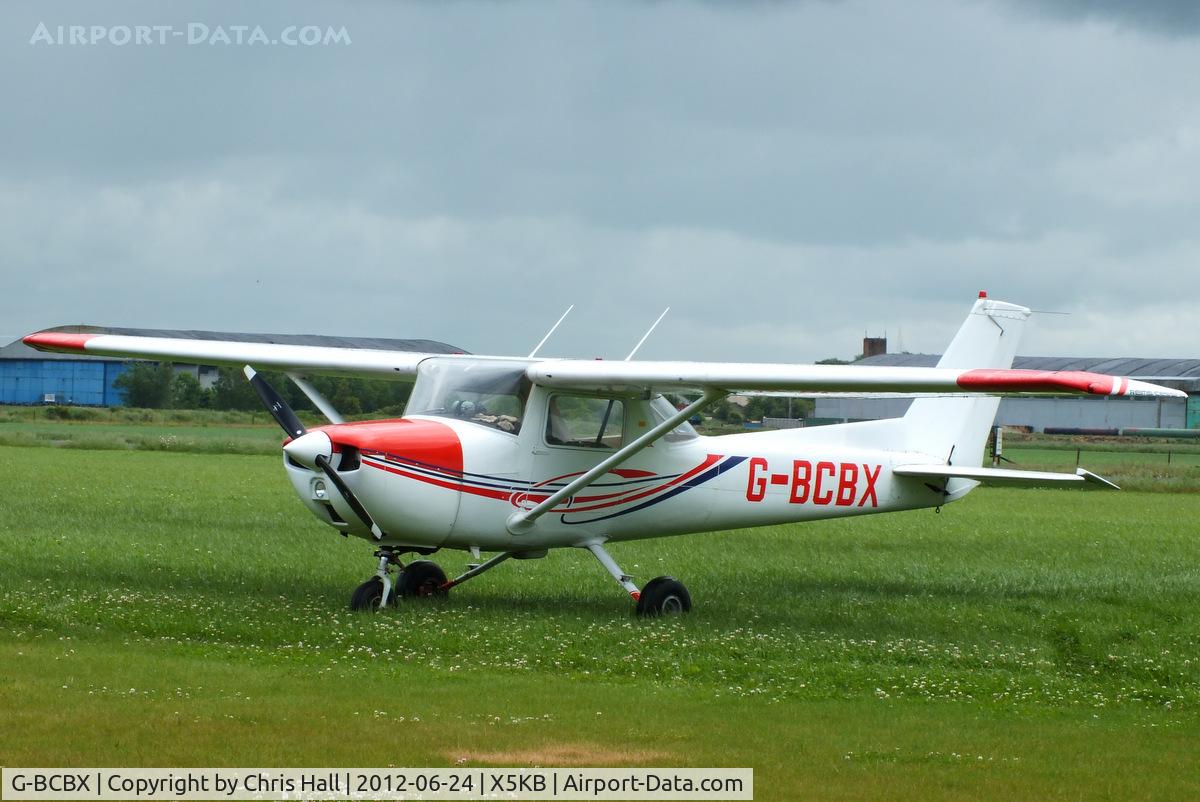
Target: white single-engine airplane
[(521, 455)]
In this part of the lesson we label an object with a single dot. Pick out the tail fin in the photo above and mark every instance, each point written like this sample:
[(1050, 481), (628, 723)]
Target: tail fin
[(956, 429)]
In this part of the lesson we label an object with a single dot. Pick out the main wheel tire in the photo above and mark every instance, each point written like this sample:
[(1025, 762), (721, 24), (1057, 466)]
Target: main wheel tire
[(421, 579), (367, 596), (664, 595)]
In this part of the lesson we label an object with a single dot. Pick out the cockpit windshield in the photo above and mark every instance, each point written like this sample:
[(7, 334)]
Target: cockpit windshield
[(489, 392), (663, 410)]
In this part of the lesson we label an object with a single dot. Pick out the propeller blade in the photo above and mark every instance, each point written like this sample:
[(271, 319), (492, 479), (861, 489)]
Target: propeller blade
[(351, 499), (291, 424), (275, 404)]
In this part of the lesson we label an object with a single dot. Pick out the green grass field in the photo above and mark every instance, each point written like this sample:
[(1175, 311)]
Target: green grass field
[(162, 608), (121, 428), (1153, 471)]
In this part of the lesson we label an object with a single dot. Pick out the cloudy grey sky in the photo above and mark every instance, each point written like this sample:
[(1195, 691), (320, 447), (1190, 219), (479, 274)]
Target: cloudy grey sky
[(785, 175)]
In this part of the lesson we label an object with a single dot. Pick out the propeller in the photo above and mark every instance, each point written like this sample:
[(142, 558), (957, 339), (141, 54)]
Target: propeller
[(275, 404), (300, 448)]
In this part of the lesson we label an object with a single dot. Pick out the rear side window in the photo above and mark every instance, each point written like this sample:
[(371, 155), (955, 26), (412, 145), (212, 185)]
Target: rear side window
[(585, 422)]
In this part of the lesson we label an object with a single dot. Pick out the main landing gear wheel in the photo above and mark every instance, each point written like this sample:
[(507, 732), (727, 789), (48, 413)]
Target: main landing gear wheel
[(421, 579), (663, 595), (368, 595)]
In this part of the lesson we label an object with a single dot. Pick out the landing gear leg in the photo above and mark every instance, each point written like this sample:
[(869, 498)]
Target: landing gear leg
[(376, 592), (477, 570), (662, 595), (623, 579), (386, 558)]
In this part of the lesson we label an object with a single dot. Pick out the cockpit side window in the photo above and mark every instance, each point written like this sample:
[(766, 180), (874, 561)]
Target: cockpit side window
[(490, 393), (585, 421)]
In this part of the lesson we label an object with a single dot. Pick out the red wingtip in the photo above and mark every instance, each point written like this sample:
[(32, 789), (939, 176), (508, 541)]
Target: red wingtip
[(1038, 381), (57, 341)]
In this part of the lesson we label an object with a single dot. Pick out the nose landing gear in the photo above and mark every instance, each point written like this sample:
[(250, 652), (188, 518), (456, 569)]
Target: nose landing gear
[(420, 579), (376, 592)]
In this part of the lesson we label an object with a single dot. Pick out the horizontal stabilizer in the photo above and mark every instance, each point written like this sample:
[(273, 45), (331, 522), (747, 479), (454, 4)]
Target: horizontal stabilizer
[(1006, 477)]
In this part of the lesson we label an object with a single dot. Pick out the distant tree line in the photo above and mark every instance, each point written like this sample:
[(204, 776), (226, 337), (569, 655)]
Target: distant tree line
[(760, 407), (155, 385)]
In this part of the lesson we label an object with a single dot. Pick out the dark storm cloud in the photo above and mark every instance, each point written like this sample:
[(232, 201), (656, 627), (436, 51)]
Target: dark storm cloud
[(783, 176), (627, 114), (1169, 17)]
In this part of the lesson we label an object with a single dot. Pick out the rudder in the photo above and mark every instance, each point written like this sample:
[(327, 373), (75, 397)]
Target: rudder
[(956, 429)]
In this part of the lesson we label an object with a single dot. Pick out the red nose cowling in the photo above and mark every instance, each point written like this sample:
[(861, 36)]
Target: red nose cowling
[(426, 442)]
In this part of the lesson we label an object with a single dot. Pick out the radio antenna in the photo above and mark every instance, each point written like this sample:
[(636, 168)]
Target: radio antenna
[(649, 331), (538, 347)]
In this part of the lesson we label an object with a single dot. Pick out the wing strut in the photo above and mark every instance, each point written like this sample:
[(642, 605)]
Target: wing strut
[(522, 521), (314, 395)]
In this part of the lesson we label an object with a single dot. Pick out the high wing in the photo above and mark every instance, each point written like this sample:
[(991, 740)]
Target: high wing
[(732, 377), (328, 360), (606, 376)]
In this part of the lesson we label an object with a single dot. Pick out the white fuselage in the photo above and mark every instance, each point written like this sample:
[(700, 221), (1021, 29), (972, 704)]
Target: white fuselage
[(432, 481)]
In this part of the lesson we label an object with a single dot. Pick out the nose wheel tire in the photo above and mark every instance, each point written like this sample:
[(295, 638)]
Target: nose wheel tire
[(663, 595), (421, 580), (367, 596)]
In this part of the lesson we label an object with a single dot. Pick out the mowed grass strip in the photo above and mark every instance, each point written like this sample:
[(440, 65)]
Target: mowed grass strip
[(83, 702), (870, 655)]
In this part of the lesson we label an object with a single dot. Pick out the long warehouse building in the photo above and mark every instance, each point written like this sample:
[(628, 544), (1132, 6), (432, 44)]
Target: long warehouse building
[(1039, 413)]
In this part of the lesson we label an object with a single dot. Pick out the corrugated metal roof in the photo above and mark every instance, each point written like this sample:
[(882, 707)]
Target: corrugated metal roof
[(19, 350), (1122, 366)]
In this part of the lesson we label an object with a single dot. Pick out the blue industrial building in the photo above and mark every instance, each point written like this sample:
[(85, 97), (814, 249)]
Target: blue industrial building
[(33, 377)]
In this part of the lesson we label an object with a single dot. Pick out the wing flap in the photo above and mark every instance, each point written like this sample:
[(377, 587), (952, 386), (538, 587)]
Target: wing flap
[(1005, 476)]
